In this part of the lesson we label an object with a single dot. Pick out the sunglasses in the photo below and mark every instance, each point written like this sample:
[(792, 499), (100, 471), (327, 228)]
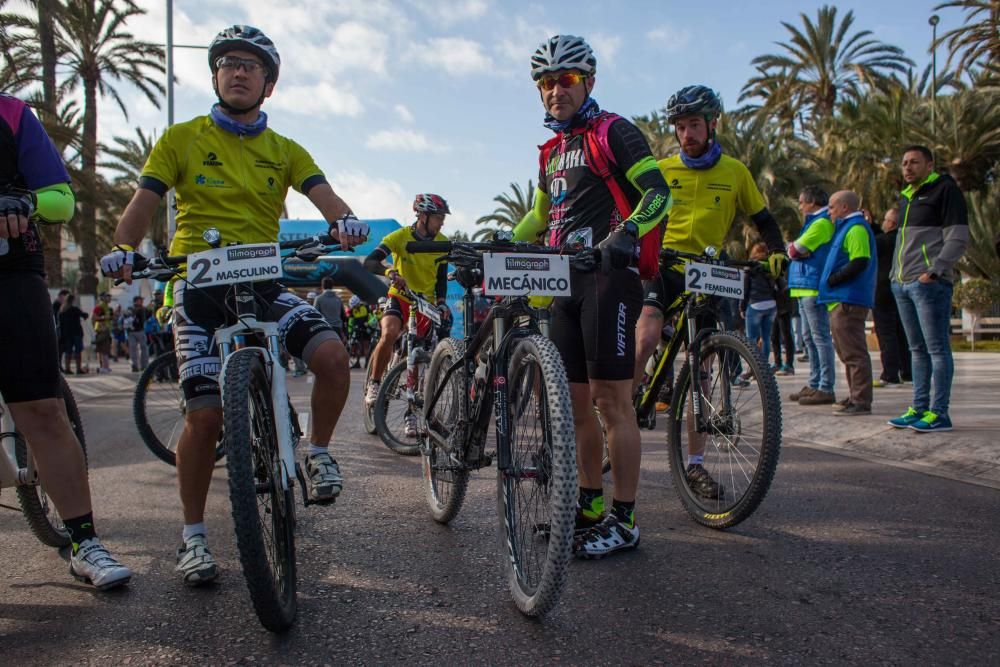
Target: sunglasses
[(566, 80), (234, 63)]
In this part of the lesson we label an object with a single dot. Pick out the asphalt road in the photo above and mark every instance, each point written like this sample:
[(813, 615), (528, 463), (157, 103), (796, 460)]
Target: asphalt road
[(845, 562)]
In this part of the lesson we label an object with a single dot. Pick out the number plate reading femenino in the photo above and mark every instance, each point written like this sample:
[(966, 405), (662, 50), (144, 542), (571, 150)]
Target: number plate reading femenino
[(521, 274), (715, 280), (234, 264)]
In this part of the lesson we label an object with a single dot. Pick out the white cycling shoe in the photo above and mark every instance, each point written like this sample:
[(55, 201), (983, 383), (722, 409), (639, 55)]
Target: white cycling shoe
[(94, 564)]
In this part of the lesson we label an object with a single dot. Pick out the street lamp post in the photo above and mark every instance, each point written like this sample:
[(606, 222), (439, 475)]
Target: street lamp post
[(933, 21), (171, 216)]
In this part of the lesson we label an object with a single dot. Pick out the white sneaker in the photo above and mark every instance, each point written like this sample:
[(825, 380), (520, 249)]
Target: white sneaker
[(411, 425), (195, 562), (93, 564), (372, 395), (325, 480), (610, 535)]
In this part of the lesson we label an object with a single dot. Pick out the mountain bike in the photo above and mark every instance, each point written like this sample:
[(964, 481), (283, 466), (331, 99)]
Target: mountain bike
[(725, 397), (17, 471), (509, 373), (259, 423), (400, 395), (158, 408)]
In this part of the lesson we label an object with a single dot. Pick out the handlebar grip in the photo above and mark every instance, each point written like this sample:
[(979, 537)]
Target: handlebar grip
[(429, 246)]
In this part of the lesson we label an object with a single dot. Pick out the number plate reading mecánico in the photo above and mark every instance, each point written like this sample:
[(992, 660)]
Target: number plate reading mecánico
[(716, 280), (234, 264), (523, 274)]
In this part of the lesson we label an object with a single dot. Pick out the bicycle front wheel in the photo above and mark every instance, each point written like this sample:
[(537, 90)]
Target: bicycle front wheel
[(159, 408), (740, 449), (536, 492), (446, 476), (394, 415), (42, 517), (263, 511)]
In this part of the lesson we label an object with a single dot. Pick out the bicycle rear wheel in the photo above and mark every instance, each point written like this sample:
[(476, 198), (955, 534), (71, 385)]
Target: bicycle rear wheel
[(354, 352), (446, 476), (743, 441), (263, 512), (392, 409), (536, 492), (159, 408), (42, 517)]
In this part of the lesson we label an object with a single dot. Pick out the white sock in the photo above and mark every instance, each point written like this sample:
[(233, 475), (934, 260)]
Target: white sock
[(315, 449), (696, 459), (192, 529)]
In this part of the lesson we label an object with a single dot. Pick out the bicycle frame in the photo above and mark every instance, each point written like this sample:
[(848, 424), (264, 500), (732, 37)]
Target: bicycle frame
[(11, 474)]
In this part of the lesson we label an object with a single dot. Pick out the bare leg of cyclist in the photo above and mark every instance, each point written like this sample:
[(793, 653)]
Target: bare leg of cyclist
[(196, 460), (589, 439), (647, 335), (58, 455), (391, 326), (331, 366), (614, 400)]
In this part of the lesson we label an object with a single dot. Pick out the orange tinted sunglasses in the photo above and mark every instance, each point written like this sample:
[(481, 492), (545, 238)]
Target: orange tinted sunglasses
[(565, 80)]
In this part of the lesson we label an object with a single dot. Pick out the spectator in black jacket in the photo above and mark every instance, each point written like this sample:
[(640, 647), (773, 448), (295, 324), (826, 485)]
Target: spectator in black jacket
[(892, 344), (71, 333)]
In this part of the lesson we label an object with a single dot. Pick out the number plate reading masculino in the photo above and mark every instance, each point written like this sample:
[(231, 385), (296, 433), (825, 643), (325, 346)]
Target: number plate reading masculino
[(522, 274), (235, 264), (716, 280)]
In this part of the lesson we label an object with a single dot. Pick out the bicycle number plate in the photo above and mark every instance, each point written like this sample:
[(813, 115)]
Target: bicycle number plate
[(523, 274), (235, 264), (716, 280), (427, 309)]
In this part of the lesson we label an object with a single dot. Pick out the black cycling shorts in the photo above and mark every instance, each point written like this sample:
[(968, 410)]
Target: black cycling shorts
[(199, 312), (663, 289), (594, 329), (29, 356)]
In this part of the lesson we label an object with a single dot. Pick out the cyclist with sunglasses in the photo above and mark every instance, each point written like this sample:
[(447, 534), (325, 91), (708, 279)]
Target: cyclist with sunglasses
[(594, 328), (232, 172)]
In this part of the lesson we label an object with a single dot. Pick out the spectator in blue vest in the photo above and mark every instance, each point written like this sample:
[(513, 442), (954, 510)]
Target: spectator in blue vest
[(808, 254), (847, 291), (933, 235)]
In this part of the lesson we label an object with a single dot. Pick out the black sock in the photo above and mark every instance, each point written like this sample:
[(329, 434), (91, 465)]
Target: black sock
[(587, 496), (623, 510), (80, 529)]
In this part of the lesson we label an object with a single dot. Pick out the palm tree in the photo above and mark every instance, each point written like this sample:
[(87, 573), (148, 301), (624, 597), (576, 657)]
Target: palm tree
[(662, 140), (100, 51), (510, 212), (127, 158), (822, 63), (967, 141), (977, 41)]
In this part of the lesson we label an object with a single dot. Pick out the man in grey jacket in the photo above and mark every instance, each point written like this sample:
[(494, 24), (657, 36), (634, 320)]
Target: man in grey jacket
[(330, 305), (933, 235)]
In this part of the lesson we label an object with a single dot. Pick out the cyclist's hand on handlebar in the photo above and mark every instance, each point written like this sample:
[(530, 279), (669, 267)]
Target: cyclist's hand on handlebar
[(398, 281), (15, 211), (775, 264), (118, 263), (618, 249), (350, 230)]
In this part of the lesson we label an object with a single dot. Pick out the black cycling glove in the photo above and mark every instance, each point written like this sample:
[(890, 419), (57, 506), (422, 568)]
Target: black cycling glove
[(17, 203), (618, 249)]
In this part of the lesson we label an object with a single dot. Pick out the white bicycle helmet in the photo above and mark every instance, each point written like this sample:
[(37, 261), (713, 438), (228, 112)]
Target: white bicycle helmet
[(355, 301), (311, 295), (246, 38), (563, 52)]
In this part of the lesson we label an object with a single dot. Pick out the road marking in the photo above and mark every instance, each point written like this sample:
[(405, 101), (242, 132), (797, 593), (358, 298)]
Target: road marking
[(304, 423), (311, 379)]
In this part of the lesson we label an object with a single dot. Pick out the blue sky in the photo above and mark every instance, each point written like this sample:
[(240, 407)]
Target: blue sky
[(396, 97)]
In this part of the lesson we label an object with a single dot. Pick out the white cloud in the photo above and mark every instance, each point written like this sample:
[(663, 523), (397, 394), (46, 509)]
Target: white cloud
[(454, 55), (403, 140), (404, 114), (450, 12), (320, 99), (670, 39), (605, 48), (373, 197), (358, 46)]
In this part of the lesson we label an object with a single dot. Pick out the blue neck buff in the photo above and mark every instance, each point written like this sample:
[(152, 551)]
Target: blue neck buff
[(706, 161), (236, 127), (588, 110)]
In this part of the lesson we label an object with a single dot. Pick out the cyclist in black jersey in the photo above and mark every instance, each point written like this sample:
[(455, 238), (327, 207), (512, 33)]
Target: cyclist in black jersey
[(34, 187), (594, 328)]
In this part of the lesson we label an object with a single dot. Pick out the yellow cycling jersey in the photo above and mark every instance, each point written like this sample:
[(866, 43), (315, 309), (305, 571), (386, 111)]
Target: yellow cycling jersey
[(419, 270), (360, 311), (234, 183), (706, 202)]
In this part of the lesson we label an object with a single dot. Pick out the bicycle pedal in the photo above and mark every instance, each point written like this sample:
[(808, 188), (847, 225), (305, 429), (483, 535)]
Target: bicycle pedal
[(306, 501)]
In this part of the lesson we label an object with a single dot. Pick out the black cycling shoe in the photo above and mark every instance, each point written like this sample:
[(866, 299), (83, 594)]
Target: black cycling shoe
[(702, 483)]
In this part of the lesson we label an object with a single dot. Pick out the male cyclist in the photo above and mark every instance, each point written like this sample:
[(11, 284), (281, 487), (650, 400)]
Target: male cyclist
[(34, 187), (357, 325), (593, 327), (419, 272), (231, 172), (708, 189)]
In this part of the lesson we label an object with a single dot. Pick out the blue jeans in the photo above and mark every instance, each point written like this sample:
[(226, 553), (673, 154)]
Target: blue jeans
[(819, 343), (925, 311), (759, 329)]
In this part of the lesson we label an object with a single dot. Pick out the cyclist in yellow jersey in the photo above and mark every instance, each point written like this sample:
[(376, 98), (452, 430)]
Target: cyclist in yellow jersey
[(231, 172), (708, 189), (420, 272)]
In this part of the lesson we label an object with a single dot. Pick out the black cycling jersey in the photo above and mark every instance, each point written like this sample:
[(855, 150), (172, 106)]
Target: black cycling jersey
[(580, 200)]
